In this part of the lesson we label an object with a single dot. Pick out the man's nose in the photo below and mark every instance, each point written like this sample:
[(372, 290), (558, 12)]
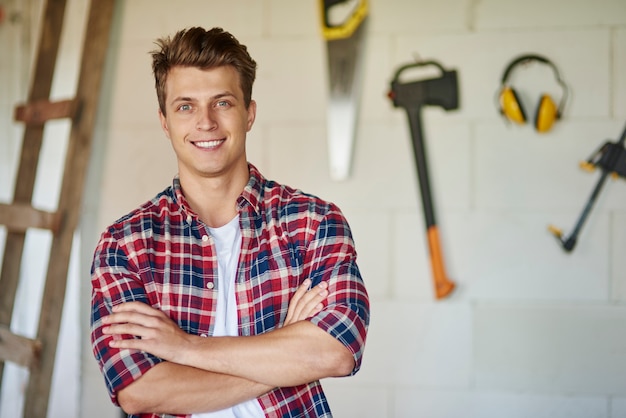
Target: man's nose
[(206, 120)]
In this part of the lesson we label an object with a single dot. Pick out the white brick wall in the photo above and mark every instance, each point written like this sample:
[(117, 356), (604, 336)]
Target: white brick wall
[(550, 348), (531, 331), (618, 87)]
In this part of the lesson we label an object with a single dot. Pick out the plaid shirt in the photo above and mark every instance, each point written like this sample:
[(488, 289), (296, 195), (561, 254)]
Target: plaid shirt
[(161, 254)]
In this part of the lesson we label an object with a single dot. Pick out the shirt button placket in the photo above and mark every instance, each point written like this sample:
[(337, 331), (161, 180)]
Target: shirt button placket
[(210, 285), (205, 239)]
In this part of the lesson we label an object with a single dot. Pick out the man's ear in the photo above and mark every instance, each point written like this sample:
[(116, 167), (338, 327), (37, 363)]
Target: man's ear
[(164, 124), (251, 115)]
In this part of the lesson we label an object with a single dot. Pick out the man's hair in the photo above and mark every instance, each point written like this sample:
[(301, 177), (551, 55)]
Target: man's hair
[(197, 47)]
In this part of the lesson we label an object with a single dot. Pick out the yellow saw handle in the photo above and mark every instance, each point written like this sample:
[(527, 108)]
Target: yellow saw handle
[(346, 28)]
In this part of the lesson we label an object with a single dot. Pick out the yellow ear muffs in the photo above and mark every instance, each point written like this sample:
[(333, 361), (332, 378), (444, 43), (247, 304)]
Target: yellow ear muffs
[(511, 107), (547, 113)]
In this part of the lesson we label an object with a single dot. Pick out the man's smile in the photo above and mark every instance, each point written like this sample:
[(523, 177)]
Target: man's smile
[(208, 144)]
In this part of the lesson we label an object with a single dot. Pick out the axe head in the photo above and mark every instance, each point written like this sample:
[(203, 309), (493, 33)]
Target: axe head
[(441, 91)]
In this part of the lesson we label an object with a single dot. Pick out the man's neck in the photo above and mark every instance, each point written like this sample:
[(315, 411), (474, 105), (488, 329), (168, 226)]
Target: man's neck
[(214, 199)]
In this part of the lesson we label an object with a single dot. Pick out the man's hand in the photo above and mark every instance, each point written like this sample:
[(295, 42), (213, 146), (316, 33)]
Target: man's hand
[(162, 337), (158, 334), (306, 302)]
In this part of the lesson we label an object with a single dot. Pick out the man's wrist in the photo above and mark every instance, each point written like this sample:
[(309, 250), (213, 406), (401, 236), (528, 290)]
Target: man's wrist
[(193, 350)]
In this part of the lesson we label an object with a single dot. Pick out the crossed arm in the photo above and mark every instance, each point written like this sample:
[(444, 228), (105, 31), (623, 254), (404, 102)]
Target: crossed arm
[(205, 374)]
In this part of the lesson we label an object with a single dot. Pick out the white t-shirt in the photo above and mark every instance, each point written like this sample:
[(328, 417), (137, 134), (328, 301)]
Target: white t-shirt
[(228, 245)]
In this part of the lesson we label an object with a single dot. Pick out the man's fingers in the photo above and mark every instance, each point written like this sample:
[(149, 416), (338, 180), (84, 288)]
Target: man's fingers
[(306, 302), (136, 307), (136, 312), (313, 300), (123, 317), (293, 309), (140, 326), (302, 290), (127, 329), (317, 308)]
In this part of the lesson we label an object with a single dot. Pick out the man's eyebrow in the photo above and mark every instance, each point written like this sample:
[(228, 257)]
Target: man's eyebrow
[(215, 97), (182, 99), (224, 94)]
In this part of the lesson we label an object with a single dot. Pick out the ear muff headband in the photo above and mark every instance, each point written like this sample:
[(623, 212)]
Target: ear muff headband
[(547, 111)]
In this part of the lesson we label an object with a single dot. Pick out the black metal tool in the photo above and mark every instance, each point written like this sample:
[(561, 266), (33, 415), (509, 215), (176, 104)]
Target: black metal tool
[(412, 96), (611, 158)]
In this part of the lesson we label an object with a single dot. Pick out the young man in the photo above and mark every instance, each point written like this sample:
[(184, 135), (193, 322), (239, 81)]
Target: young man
[(227, 295)]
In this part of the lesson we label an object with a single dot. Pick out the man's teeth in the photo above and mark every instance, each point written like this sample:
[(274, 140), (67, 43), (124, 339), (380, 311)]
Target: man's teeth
[(208, 144)]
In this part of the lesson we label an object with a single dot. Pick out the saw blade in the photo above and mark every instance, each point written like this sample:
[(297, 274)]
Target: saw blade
[(345, 50), (345, 58)]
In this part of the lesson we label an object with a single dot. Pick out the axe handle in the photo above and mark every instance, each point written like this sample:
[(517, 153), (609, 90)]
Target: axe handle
[(443, 285), (419, 152)]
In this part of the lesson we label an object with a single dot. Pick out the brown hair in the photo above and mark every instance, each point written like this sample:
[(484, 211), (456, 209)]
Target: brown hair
[(197, 47)]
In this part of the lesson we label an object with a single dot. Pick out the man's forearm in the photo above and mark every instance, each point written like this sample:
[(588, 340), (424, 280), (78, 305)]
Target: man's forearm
[(298, 353), (176, 389), (290, 356)]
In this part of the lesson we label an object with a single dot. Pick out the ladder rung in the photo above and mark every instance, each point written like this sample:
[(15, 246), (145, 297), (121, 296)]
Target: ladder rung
[(17, 349), (40, 111), (19, 217)]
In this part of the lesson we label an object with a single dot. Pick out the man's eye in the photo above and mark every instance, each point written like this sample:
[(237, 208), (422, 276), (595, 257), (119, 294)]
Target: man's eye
[(223, 103), (184, 107)]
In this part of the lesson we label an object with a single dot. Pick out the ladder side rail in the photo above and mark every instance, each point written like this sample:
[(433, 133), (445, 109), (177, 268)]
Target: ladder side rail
[(41, 85), (95, 46)]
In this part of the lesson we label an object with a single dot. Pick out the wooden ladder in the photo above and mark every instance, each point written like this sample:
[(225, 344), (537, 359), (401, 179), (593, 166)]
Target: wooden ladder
[(38, 354)]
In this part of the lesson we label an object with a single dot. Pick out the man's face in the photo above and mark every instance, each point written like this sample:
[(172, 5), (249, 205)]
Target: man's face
[(206, 120)]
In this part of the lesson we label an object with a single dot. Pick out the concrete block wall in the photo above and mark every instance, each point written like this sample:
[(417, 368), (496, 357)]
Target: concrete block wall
[(531, 331)]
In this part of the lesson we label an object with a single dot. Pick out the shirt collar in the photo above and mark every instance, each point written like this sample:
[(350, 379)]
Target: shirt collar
[(181, 200), (253, 192), (251, 195)]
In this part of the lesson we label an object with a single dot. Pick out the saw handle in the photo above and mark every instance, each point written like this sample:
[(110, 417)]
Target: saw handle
[(346, 28)]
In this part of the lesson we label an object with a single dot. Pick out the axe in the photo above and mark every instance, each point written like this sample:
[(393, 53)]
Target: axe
[(412, 96)]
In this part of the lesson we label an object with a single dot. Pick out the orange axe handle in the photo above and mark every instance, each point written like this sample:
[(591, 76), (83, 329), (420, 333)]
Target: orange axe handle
[(443, 285)]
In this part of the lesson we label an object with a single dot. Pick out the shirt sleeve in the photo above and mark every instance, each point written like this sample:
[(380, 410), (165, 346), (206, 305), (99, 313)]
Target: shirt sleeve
[(115, 280), (332, 258)]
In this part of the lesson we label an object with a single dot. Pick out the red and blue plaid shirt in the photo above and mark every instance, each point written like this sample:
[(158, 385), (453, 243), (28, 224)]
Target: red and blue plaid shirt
[(162, 254)]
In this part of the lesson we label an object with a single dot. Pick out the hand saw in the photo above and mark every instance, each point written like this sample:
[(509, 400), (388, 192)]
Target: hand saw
[(343, 29)]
